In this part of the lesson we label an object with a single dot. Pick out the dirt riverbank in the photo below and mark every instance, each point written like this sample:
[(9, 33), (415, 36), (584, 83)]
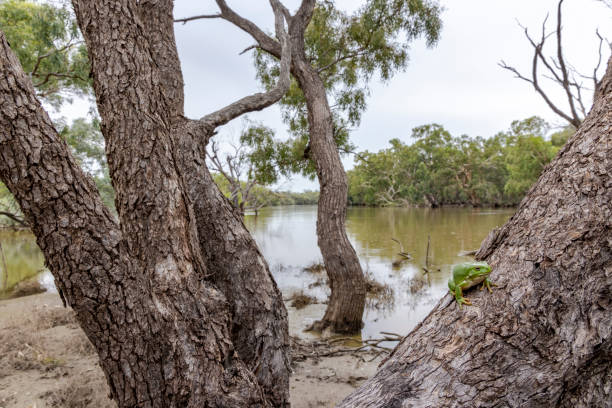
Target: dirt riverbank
[(46, 361)]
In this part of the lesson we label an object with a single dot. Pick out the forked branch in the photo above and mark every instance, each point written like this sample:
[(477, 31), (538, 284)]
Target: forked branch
[(258, 101), (560, 72)]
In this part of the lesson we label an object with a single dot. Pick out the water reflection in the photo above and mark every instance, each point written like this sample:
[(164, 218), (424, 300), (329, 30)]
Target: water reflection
[(20, 258), (287, 237)]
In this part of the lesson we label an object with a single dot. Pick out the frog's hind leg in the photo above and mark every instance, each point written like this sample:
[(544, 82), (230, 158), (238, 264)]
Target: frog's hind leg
[(488, 284), (460, 299)]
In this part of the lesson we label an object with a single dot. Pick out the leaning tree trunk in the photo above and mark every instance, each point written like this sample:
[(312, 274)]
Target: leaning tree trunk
[(347, 302), (344, 313), (169, 329), (544, 337)]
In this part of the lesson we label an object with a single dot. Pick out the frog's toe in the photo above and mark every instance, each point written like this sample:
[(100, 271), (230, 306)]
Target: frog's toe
[(465, 301)]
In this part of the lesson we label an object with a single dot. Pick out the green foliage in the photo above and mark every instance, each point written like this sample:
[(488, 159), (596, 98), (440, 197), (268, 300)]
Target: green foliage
[(348, 51), (559, 138), (526, 155), (262, 196), (265, 160), (258, 160), (49, 46), (439, 169), (47, 41)]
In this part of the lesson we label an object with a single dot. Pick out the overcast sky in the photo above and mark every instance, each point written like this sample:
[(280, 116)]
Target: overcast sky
[(457, 84)]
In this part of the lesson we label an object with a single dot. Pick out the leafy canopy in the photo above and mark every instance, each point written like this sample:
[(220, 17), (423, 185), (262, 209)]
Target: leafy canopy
[(438, 168), (348, 50), (47, 41)]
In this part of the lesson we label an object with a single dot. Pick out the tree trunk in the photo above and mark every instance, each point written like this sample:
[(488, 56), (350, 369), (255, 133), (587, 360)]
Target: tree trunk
[(344, 313), (543, 338), (235, 265), (169, 327), (345, 308)]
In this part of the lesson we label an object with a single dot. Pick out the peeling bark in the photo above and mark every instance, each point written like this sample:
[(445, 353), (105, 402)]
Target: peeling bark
[(544, 337)]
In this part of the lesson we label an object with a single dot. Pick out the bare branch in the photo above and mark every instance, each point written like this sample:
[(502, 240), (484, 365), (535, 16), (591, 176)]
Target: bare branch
[(259, 101), (559, 70), (562, 66), (50, 75), (264, 40), (215, 161), (249, 48), (15, 218), (200, 17)]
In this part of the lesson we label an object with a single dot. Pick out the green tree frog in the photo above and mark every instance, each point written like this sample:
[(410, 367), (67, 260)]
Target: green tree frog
[(468, 274)]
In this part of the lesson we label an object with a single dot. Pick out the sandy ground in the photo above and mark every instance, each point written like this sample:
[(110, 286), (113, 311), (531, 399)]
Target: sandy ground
[(46, 361)]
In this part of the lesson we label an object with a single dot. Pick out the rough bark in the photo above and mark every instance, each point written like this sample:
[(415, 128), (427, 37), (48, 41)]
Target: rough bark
[(346, 304), (544, 337), (162, 334), (169, 327), (345, 308), (236, 266)]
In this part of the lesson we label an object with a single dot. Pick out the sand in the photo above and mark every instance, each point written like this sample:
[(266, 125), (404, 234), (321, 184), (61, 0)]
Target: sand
[(46, 360)]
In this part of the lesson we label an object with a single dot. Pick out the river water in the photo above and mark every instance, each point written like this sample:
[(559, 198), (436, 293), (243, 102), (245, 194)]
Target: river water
[(287, 238)]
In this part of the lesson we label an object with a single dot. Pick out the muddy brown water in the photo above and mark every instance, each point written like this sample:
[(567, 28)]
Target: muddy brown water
[(287, 238)]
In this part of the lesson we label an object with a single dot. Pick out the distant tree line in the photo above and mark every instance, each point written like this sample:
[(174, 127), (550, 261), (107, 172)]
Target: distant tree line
[(441, 169), (262, 196)]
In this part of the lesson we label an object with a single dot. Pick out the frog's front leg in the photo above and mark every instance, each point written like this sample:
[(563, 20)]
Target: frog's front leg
[(488, 284), (459, 297)]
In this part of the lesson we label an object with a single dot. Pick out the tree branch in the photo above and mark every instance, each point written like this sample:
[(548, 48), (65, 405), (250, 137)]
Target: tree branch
[(15, 218), (263, 39), (42, 57), (563, 67), (558, 69), (258, 101), (304, 14), (50, 75), (360, 51), (200, 17)]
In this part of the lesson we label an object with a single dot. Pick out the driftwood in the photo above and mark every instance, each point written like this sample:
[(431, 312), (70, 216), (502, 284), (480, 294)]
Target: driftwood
[(402, 253), (315, 349)]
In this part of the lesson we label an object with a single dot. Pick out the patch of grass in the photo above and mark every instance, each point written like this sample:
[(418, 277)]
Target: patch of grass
[(48, 317), (374, 288), (300, 300), (315, 267), (379, 296), (20, 350), (76, 395)]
